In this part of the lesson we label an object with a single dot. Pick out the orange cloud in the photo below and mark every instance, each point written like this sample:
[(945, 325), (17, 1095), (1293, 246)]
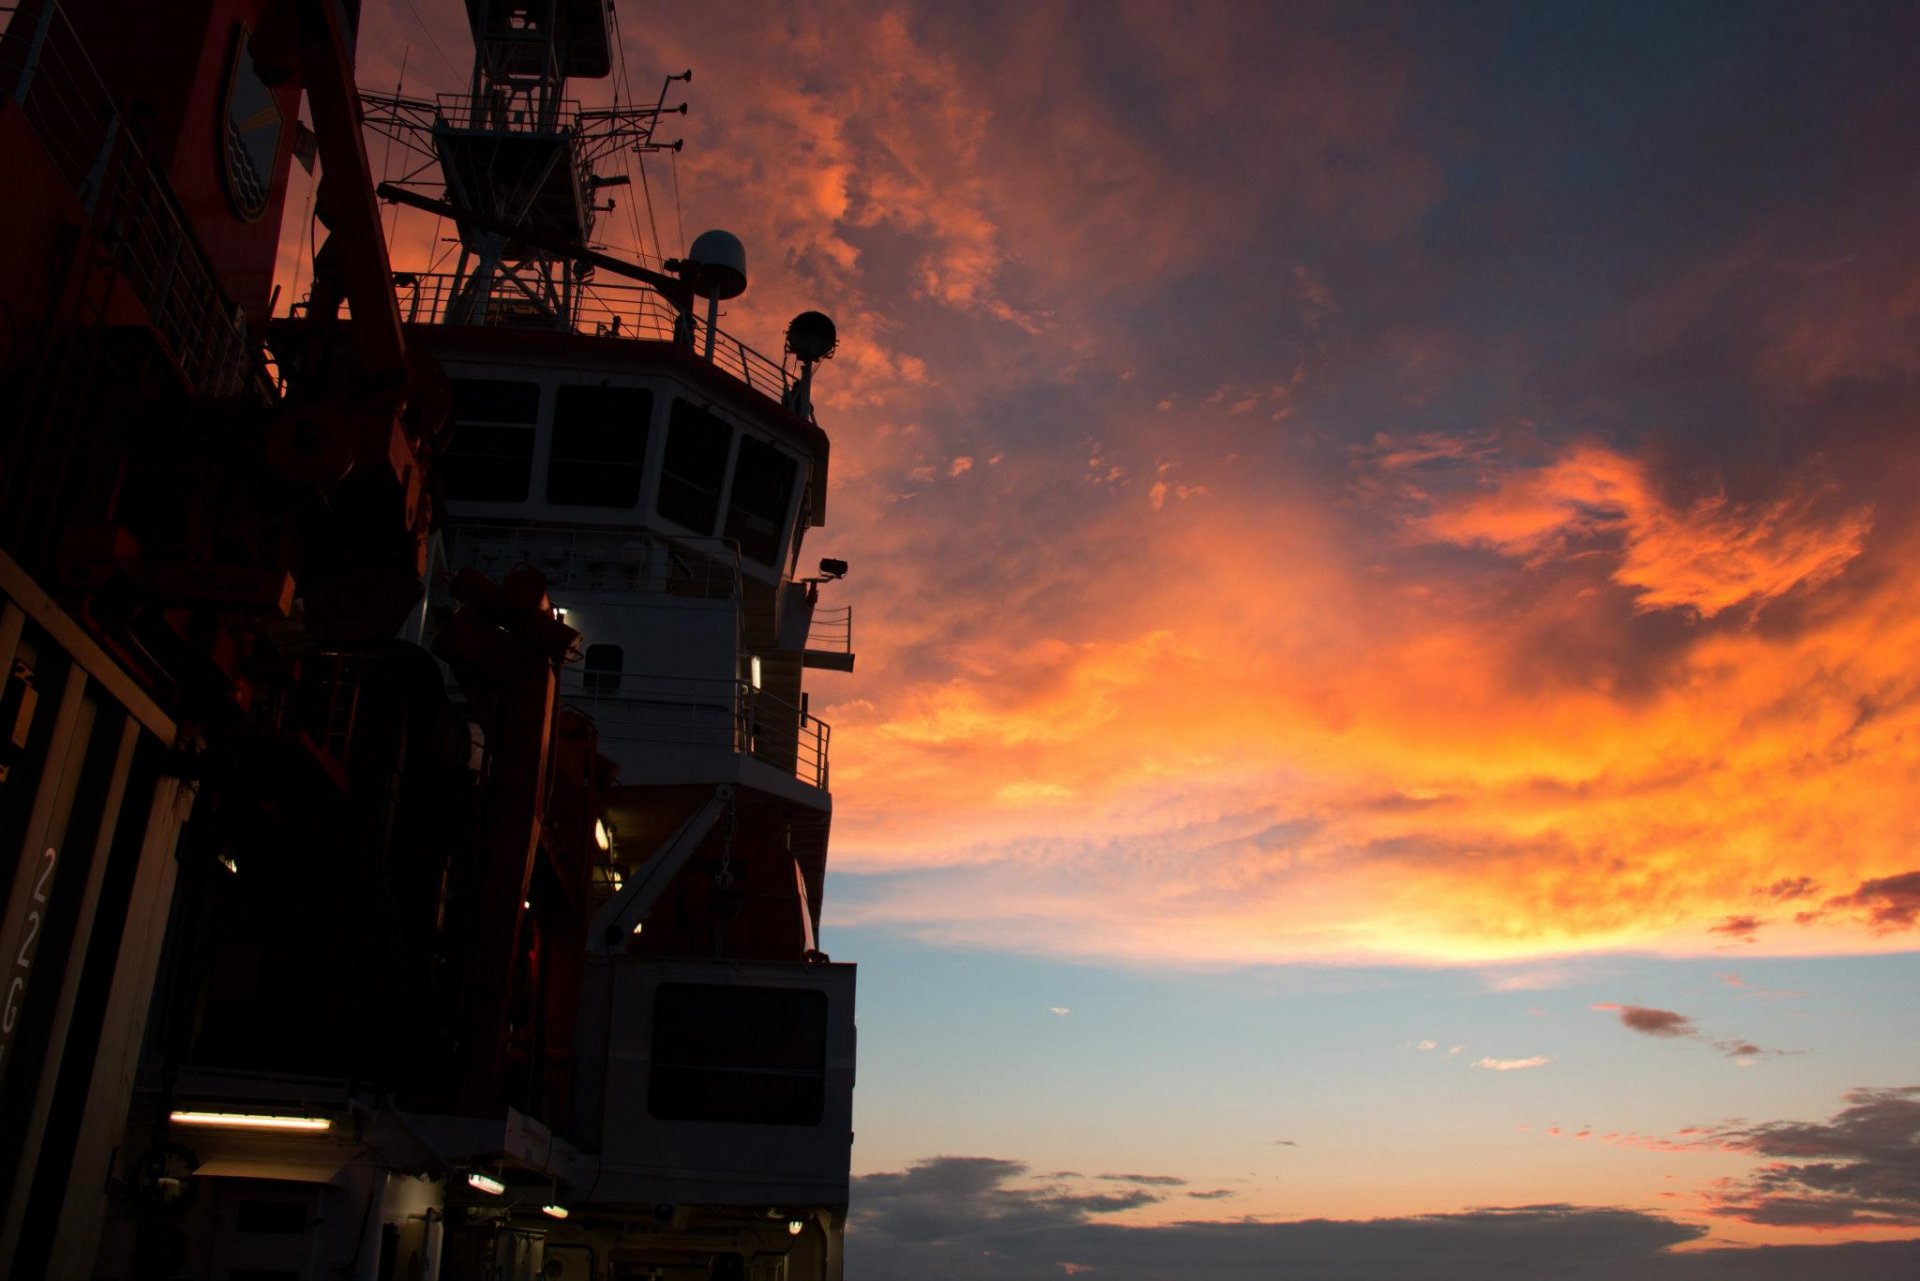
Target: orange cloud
[(1265, 742), (1707, 556)]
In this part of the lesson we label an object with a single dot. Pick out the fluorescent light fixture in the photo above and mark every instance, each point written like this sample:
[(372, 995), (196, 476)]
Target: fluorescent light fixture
[(252, 1121), (486, 1183), (753, 665), (554, 1211), (794, 1226), (600, 835)]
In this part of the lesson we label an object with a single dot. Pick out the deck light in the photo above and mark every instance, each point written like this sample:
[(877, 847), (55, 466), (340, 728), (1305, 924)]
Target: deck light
[(794, 1226), (602, 837), (252, 1121), (638, 926), (231, 863), (554, 1211), (753, 666), (486, 1183)]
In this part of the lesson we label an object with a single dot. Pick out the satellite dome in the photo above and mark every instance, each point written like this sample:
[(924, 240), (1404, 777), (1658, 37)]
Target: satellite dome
[(720, 263), (811, 336)]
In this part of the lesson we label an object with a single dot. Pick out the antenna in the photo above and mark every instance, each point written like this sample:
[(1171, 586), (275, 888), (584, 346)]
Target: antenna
[(811, 338)]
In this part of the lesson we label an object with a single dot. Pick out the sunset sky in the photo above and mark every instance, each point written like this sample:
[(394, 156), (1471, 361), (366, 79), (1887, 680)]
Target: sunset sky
[(1386, 738)]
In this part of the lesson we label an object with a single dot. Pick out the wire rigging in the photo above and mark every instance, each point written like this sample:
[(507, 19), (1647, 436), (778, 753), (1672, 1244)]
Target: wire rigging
[(386, 153), (679, 224), (647, 190), (418, 21), (625, 86)]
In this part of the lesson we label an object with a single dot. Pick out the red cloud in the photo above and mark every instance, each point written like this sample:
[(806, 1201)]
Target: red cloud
[(1653, 1022), (1890, 902)]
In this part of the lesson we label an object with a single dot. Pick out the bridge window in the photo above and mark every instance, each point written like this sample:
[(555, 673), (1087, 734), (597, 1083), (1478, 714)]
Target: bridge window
[(602, 669), (747, 1055), (757, 507), (694, 466), (599, 445), (491, 455)]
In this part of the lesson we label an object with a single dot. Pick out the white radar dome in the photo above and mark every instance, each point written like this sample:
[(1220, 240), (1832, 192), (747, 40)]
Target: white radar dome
[(721, 263)]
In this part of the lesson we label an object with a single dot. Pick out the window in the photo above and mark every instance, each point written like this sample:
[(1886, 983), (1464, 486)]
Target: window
[(286, 1218), (603, 669), (693, 468), (492, 451), (757, 507), (599, 445), (748, 1055)]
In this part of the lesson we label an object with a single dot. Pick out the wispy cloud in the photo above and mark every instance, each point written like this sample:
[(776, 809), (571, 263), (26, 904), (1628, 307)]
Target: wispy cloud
[(1513, 1065), (1668, 1023)]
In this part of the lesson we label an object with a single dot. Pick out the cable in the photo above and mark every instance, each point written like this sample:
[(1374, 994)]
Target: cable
[(679, 226), (647, 190), (428, 31), (625, 85), (386, 153)]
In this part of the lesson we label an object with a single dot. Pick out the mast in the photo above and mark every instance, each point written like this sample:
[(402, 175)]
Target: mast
[(518, 153)]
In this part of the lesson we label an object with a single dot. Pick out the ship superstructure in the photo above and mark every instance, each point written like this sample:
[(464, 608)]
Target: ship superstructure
[(467, 639)]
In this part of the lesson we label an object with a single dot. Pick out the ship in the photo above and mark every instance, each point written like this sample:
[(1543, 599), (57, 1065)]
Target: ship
[(415, 821)]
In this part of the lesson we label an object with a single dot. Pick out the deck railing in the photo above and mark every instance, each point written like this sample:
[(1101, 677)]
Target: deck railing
[(831, 631), (689, 712), (456, 111), (45, 69), (602, 308)]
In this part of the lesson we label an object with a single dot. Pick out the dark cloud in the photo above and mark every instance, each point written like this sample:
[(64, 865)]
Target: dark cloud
[(1149, 1180), (1740, 927), (1669, 1023), (1890, 903), (962, 1219), (1213, 1194), (1860, 1167), (1653, 1022), (952, 1196), (1792, 888)]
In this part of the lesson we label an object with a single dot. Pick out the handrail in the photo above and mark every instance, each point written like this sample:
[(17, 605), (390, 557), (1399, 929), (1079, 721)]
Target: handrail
[(716, 713), (457, 111), (831, 630), (601, 308), (62, 95)]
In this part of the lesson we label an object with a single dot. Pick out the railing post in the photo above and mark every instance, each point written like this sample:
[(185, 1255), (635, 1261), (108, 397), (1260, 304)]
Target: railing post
[(34, 46), (96, 180)]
